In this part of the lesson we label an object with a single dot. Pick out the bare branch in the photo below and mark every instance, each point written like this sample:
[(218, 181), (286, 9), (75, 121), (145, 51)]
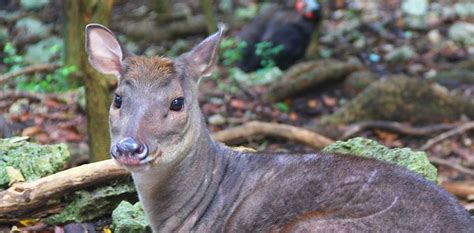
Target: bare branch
[(28, 70)]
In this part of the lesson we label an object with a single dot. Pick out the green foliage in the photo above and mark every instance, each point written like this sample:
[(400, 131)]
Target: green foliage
[(52, 82), (57, 81), (11, 57), (266, 51), (231, 51), (283, 107), (246, 13)]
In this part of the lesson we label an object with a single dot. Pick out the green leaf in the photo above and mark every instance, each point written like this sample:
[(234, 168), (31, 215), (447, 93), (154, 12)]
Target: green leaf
[(283, 107)]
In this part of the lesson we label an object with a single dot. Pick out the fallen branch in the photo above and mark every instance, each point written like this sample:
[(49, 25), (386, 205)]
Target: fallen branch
[(28, 70), (15, 94), (21, 198), (439, 161), (463, 190), (305, 76), (396, 127), (254, 128), (456, 131)]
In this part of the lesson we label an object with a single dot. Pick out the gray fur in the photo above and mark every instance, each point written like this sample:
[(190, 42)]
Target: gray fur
[(190, 183)]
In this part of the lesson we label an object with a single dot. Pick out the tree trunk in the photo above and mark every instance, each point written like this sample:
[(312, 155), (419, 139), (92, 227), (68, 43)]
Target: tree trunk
[(208, 12), (78, 15)]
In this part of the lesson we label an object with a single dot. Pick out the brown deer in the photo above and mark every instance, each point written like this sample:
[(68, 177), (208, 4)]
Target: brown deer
[(187, 182)]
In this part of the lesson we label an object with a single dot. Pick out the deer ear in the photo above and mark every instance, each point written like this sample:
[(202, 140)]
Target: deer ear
[(203, 57), (103, 50)]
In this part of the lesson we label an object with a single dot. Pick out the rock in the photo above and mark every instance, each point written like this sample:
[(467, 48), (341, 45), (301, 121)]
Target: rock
[(400, 54), (462, 32), (32, 160), (216, 119), (464, 9), (44, 51), (403, 99), (434, 36), (415, 7), (358, 81), (33, 4), (416, 161), (128, 218), (29, 27), (89, 205), (455, 77)]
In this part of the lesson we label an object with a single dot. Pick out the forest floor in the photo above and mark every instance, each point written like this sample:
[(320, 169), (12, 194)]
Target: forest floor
[(385, 39)]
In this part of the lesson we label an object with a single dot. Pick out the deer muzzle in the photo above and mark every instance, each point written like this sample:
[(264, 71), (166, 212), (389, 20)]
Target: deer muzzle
[(128, 151)]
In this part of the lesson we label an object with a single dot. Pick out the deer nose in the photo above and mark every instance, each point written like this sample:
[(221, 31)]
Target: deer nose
[(130, 147)]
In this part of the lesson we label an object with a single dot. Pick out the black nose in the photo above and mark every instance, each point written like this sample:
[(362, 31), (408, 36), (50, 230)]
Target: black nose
[(128, 146)]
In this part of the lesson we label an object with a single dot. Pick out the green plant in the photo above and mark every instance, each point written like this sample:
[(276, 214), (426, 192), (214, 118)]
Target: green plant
[(231, 51), (267, 52), (51, 82), (11, 57)]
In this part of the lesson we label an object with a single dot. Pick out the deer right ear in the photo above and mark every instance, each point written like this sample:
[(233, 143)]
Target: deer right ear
[(103, 50)]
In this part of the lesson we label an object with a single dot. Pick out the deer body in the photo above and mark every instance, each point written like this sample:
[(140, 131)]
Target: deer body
[(187, 182)]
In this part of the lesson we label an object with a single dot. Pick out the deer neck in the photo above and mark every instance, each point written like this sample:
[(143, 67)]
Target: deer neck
[(176, 196)]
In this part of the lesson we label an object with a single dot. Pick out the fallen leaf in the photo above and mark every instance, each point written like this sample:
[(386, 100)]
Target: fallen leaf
[(329, 101), (30, 131), (238, 104), (312, 103), (293, 116)]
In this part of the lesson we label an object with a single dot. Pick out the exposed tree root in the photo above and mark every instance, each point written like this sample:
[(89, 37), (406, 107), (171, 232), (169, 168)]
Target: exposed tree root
[(456, 131), (255, 128), (396, 127)]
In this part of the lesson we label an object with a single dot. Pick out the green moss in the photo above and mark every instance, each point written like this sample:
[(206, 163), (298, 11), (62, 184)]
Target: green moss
[(32, 160), (88, 205), (128, 218), (403, 99), (416, 161)]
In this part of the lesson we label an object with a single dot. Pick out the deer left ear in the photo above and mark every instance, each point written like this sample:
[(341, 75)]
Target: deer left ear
[(203, 57)]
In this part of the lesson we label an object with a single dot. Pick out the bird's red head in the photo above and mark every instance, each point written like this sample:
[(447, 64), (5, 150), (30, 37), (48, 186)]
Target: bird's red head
[(309, 9)]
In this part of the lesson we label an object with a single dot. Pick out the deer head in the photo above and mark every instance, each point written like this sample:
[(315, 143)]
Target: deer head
[(154, 118)]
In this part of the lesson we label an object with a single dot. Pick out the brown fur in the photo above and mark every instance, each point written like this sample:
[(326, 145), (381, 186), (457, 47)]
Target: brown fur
[(141, 67)]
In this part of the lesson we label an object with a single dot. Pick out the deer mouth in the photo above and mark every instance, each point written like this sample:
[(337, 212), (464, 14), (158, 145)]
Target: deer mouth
[(136, 161)]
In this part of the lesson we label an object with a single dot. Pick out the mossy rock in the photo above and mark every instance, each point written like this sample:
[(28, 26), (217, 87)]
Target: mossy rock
[(356, 82), (88, 205), (403, 99), (416, 161), (32, 160), (128, 218), (455, 77)]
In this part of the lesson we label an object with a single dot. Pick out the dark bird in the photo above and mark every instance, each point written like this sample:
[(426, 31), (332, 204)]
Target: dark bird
[(280, 25)]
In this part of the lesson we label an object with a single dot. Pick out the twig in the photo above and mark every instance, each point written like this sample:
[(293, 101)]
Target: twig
[(397, 127), (27, 70), (15, 94), (254, 128), (458, 130), (455, 166)]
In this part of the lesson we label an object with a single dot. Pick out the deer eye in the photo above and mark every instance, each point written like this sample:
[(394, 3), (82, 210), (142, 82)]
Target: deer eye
[(177, 104), (117, 101)]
